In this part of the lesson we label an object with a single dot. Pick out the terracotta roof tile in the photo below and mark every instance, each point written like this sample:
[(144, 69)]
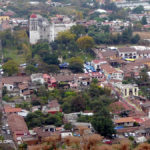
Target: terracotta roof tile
[(15, 79), (125, 119), (9, 109), (17, 123), (126, 49)]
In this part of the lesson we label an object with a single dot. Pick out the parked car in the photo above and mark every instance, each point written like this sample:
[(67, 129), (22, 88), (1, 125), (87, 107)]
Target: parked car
[(3, 128), (76, 134), (131, 134), (107, 141), (126, 135), (115, 136)]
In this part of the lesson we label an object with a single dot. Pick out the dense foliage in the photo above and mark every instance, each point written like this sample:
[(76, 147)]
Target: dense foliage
[(38, 119)]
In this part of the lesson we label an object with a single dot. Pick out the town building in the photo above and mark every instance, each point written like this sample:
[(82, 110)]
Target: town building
[(126, 121), (41, 29), (4, 18), (127, 52), (17, 126), (127, 89), (37, 78), (112, 73)]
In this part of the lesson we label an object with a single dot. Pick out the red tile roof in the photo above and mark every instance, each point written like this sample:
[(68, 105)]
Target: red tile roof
[(97, 61), (126, 49), (23, 86), (39, 131), (108, 68), (119, 106), (33, 16), (15, 79), (96, 74), (124, 120), (46, 76), (17, 123), (9, 109)]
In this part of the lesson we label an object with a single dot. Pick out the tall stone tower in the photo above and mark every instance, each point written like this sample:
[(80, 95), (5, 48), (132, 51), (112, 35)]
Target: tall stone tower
[(34, 32)]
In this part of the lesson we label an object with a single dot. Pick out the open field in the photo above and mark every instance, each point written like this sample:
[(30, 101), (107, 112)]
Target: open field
[(143, 35), (14, 55)]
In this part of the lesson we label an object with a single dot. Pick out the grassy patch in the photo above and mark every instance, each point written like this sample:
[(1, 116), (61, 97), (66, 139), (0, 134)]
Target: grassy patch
[(13, 53)]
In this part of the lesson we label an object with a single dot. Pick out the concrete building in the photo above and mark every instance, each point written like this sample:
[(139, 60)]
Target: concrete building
[(41, 29), (37, 78), (127, 52), (112, 73), (127, 89), (133, 4), (4, 18)]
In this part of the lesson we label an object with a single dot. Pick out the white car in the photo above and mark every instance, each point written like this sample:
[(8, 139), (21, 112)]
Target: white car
[(9, 141), (126, 134), (8, 131)]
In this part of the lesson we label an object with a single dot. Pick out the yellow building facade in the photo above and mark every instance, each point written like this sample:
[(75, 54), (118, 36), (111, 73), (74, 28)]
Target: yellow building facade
[(4, 18)]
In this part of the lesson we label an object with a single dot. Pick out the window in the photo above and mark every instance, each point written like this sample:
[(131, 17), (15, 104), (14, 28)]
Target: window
[(46, 130), (135, 90), (125, 92)]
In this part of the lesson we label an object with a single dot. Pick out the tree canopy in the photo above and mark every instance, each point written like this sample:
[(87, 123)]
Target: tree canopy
[(76, 64), (10, 67), (85, 42), (102, 123)]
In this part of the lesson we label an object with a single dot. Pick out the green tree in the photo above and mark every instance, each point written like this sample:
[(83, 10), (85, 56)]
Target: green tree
[(40, 47), (85, 42), (65, 37), (127, 35), (79, 30), (31, 69), (23, 146), (1, 138), (84, 118), (143, 75), (68, 126), (137, 26), (10, 67), (76, 64), (54, 69), (24, 105), (144, 20), (38, 118), (51, 59), (78, 104), (138, 10), (102, 123), (135, 39), (106, 28)]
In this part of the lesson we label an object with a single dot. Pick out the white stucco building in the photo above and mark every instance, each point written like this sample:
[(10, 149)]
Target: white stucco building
[(41, 29), (38, 77)]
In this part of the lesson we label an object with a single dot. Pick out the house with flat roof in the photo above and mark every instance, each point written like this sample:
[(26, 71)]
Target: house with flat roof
[(127, 52), (127, 89)]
